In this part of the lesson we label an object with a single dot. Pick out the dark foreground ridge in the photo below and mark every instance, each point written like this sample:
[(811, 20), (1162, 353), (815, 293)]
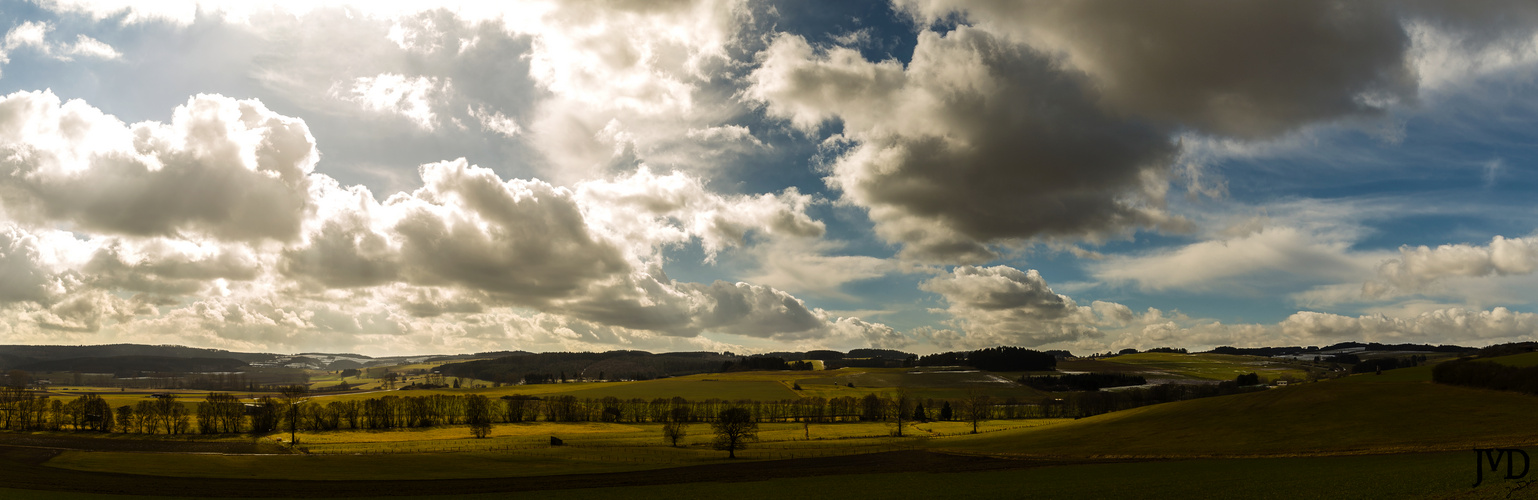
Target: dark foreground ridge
[(22, 467)]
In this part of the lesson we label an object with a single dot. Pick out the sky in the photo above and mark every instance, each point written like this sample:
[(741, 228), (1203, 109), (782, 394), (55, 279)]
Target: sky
[(395, 178)]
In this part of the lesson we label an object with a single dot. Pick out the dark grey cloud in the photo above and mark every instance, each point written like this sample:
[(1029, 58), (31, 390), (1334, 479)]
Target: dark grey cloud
[(1245, 68), (650, 301), (345, 253), (159, 267), (976, 140)]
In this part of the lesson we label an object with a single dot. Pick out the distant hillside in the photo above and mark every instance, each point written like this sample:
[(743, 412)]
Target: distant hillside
[(129, 365), (18, 356), (1370, 346), (878, 353), (612, 365)]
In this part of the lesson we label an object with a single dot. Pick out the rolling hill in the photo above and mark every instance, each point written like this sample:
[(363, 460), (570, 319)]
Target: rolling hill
[(1400, 411)]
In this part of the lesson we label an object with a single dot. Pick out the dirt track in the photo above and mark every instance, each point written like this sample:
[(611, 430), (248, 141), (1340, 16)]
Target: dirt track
[(21, 467)]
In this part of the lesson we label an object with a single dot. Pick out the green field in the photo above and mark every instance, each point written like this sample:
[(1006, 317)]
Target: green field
[(918, 383), (1211, 366), (1528, 359), (1350, 416)]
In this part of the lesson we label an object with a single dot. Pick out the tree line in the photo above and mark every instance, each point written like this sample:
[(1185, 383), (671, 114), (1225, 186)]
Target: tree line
[(1487, 374), (223, 413), (997, 359)]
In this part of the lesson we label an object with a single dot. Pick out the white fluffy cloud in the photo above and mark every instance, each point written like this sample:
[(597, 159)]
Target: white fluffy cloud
[(653, 210), (495, 121), (25, 275), (626, 80), (222, 167), (409, 97), (1002, 305), (217, 228), (1419, 267), (34, 35)]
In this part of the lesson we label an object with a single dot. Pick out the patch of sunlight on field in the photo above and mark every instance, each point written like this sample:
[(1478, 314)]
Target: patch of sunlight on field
[(1211, 366), (536, 435), (959, 428), (460, 431), (927, 384), (694, 389)]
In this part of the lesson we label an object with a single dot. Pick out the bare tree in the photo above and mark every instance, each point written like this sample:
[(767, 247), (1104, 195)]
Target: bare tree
[(292, 396), (734, 428), (903, 402), (976, 408), (676, 425)]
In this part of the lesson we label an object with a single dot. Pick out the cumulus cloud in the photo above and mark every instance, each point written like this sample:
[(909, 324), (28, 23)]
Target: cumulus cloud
[(349, 243), (525, 239), (753, 310), (652, 210), (410, 97), (1245, 69), (725, 136), (469, 241), (166, 249), (1004, 305), (628, 81), (168, 268), (637, 56), (976, 140), (1443, 325), (495, 121), (1419, 267), (227, 168), (24, 273), (34, 35)]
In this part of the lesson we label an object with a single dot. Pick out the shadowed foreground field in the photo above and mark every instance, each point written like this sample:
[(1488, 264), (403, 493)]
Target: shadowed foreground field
[(1399, 411), (906, 474)]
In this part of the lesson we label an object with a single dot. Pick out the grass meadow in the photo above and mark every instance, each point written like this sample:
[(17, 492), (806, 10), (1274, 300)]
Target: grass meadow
[(1364, 436), (1211, 366)]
